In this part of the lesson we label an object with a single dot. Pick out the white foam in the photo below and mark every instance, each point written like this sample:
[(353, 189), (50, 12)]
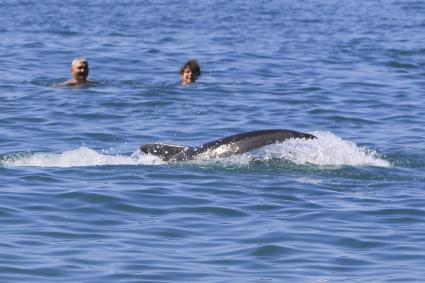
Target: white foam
[(330, 150), (80, 157)]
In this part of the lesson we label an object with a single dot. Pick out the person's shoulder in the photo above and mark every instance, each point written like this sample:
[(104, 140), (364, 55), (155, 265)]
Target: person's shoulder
[(76, 83), (67, 83)]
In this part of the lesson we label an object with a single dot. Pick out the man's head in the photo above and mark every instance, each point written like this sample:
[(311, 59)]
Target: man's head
[(190, 72), (80, 69)]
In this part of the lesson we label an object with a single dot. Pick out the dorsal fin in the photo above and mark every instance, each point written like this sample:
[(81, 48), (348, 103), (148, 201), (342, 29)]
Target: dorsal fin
[(165, 151)]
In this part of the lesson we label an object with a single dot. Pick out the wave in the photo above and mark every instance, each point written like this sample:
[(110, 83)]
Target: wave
[(82, 156), (327, 150)]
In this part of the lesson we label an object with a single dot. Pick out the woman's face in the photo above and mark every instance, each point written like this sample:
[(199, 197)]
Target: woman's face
[(187, 76)]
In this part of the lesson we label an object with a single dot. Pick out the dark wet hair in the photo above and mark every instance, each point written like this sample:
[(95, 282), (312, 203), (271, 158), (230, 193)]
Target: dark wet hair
[(193, 65)]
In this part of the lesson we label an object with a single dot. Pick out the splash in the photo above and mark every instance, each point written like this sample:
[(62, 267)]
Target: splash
[(79, 157), (331, 150), (327, 150)]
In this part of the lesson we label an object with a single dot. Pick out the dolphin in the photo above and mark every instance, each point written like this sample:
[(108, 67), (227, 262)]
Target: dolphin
[(224, 147)]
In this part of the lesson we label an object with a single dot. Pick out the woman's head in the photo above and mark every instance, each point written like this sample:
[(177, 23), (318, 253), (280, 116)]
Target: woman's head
[(190, 72)]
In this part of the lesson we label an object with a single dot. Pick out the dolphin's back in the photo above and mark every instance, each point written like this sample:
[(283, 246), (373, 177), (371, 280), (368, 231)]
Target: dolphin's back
[(244, 142), (235, 144)]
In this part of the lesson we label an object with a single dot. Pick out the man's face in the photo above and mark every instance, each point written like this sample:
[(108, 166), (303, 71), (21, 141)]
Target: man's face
[(80, 70)]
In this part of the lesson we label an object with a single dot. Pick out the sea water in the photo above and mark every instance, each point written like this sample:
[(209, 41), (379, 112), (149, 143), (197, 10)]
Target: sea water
[(79, 202)]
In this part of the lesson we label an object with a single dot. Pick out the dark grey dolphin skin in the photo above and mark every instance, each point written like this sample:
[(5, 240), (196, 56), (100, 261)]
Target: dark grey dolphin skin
[(235, 144)]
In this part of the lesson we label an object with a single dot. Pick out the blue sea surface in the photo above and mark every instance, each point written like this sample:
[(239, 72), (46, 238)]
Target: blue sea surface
[(79, 202)]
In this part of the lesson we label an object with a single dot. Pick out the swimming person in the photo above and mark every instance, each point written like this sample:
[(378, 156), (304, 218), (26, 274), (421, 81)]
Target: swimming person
[(190, 72), (79, 72)]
